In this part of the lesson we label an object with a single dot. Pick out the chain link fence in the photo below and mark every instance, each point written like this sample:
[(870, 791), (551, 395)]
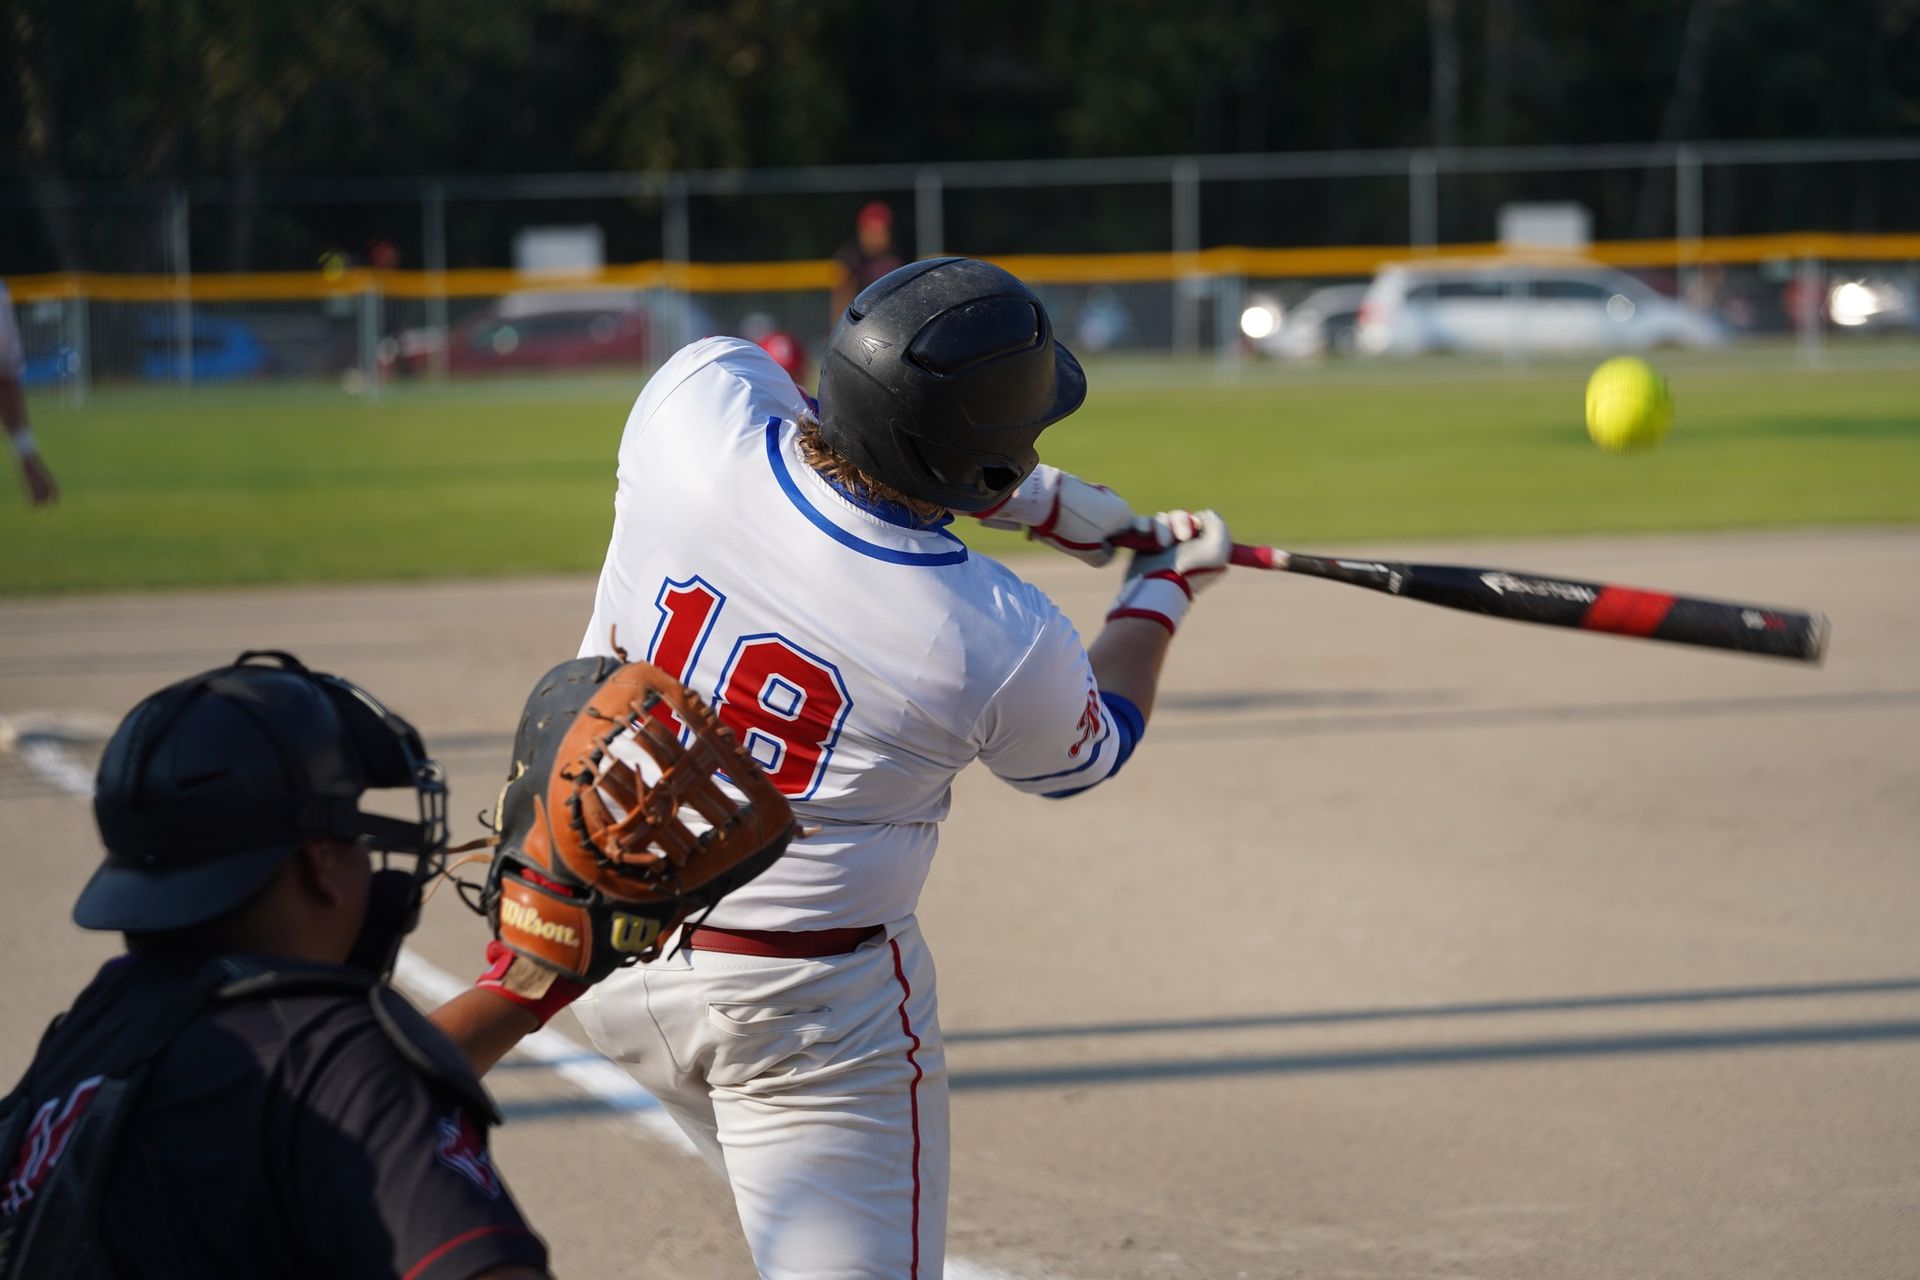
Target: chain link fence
[(1233, 258)]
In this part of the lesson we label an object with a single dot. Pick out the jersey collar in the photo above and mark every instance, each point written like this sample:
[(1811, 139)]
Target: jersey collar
[(894, 513), (950, 549)]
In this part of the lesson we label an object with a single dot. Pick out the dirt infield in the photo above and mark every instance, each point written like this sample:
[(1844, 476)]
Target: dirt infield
[(1410, 944)]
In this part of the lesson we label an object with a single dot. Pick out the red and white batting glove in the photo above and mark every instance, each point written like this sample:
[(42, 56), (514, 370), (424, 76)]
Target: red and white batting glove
[(1071, 515), (1161, 584), (535, 988)]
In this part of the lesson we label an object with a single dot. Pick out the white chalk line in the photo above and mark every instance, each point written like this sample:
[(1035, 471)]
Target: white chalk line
[(41, 750), (51, 763)]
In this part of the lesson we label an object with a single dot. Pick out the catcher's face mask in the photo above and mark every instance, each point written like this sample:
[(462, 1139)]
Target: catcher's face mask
[(210, 784), (395, 757)]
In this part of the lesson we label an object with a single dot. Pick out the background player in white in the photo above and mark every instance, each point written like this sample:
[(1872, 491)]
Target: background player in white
[(798, 568), (13, 409)]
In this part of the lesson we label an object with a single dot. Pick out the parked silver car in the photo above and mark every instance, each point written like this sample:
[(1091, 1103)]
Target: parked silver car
[(1503, 305), (1325, 322)]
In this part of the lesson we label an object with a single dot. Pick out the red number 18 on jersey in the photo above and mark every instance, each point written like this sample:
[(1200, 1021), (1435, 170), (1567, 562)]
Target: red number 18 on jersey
[(786, 705)]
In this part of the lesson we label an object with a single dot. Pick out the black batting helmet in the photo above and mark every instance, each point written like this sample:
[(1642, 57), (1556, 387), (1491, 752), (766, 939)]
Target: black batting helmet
[(210, 784), (940, 377)]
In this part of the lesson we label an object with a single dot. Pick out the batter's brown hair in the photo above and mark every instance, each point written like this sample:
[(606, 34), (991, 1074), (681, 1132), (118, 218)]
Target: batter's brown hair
[(814, 449)]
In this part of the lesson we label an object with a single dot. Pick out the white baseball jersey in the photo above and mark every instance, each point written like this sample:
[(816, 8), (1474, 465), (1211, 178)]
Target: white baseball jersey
[(862, 658)]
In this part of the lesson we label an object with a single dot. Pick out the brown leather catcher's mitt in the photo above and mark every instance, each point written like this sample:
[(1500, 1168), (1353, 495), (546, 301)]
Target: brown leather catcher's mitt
[(597, 860)]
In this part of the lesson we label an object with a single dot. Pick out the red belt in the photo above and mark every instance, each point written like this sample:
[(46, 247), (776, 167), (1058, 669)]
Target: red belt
[(780, 944)]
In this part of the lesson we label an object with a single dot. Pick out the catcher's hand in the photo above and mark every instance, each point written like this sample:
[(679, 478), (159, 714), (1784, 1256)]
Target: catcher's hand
[(611, 831), (1072, 515)]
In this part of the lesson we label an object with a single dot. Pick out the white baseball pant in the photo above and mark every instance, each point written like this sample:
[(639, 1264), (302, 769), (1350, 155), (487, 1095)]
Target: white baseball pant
[(817, 1086)]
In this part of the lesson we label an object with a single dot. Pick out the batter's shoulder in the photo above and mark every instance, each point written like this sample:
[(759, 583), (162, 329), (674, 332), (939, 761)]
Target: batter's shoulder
[(1022, 607), (717, 380), (1007, 623)]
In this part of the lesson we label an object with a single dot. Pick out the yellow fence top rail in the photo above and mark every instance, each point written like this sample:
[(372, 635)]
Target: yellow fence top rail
[(818, 276)]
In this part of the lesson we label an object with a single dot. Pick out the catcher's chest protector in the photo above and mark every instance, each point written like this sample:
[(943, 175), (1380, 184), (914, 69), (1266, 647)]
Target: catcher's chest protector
[(58, 1152), (57, 1139)]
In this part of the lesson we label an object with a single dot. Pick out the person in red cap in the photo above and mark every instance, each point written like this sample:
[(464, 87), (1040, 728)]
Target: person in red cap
[(760, 328), (787, 353), (865, 258)]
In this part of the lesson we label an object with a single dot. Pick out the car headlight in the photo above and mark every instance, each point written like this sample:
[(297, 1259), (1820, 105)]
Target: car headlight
[(1260, 320), (1854, 303)]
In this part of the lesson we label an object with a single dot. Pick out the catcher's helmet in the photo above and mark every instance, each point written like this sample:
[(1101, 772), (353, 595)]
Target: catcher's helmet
[(940, 377), (210, 784)]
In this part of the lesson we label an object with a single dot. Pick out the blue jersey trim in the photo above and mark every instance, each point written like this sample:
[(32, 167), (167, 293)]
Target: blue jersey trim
[(1128, 720), (852, 541), (1129, 726), (891, 512), (1082, 767)]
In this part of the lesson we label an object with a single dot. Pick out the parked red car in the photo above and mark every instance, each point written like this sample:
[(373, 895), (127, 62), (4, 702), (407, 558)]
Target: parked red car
[(519, 335)]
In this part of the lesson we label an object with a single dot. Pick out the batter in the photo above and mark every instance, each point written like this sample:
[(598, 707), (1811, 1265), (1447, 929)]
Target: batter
[(797, 566)]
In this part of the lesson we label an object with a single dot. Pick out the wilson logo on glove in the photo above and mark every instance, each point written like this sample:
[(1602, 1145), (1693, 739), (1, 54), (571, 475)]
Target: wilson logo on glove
[(634, 933), (528, 920)]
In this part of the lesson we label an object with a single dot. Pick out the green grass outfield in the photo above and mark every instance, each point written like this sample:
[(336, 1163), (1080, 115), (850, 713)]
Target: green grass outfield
[(165, 488)]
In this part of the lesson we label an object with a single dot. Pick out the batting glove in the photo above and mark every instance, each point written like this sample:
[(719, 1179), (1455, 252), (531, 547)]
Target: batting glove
[(535, 988), (1161, 584), (1072, 515)]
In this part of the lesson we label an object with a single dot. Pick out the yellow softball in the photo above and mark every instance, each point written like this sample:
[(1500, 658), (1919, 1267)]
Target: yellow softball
[(1628, 406)]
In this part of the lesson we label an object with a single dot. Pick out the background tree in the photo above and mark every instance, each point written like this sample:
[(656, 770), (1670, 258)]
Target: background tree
[(142, 94)]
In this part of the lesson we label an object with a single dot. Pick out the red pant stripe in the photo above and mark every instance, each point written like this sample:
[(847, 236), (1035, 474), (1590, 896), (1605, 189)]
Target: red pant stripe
[(913, 1099)]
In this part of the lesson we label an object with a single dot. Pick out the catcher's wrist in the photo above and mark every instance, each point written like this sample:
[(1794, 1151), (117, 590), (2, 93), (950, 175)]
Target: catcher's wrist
[(1162, 596), (534, 987)]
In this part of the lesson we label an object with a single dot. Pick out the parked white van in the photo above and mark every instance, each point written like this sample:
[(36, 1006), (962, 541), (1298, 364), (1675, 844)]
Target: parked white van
[(1505, 305)]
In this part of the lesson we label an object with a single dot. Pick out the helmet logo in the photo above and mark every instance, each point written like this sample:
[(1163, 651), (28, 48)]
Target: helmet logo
[(874, 345)]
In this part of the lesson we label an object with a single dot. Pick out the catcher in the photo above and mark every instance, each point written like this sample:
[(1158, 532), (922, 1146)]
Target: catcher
[(242, 1093)]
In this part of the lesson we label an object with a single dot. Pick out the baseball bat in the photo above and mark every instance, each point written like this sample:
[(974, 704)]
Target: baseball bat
[(1564, 602)]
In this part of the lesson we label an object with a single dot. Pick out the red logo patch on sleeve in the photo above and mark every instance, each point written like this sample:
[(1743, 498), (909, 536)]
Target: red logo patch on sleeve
[(45, 1142), (1089, 726), (463, 1148)]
